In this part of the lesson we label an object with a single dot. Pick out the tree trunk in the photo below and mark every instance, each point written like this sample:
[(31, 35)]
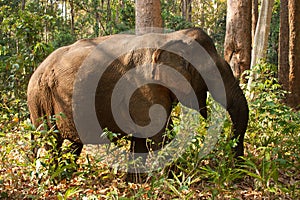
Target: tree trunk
[(237, 45), (119, 7), (23, 4), (294, 55), (190, 10), (66, 10), (203, 15), (260, 39), (72, 17), (186, 10), (97, 18), (51, 7), (108, 17), (284, 67), (148, 16), (254, 18)]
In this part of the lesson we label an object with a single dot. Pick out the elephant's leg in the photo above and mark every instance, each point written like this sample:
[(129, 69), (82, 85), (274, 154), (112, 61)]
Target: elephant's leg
[(139, 151), (34, 146), (37, 117), (63, 159), (58, 144), (75, 149), (202, 103), (139, 145), (53, 146), (51, 149), (164, 137), (54, 150)]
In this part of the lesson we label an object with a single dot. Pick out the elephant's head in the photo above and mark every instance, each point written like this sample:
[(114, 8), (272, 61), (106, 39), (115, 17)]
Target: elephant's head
[(214, 76)]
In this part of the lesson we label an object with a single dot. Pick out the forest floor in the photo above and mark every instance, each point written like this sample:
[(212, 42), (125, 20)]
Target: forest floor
[(22, 179)]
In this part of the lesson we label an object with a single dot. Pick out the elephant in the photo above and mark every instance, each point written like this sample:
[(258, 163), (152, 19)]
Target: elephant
[(51, 87)]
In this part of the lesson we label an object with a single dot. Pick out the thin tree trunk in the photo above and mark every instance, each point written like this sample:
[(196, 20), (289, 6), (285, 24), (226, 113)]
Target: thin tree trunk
[(260, 39), (148, 16), (51, 6), (190, 10), (97, 17), (203, 14), (254, 18), (284, 67), (108, 17), (66, 10), (119, 7), (45, 32), (23, 4), (72, 17), (186, 10), (294, 55), (237, 47), (102, 4), (197, 6), (183, 9)]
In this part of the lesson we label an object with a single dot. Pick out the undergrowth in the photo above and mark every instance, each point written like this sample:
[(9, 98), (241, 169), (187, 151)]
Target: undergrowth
[(270, 167)]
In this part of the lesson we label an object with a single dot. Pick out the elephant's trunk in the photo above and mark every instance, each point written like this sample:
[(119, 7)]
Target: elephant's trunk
[(236, 104), (239, 114)]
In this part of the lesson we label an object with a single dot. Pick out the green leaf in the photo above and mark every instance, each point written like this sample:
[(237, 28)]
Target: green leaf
[(251, 174), (72, 191), (171, 187)]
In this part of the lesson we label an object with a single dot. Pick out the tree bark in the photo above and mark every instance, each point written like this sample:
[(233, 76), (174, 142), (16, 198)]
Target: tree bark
[(147, 16), (294, 54), (254, 18), (186, 10), (108, 17), (97, 18), (23, 4), (190, 10), (65, 10), (72, 17), (262, 31), (260, 40), (120, 5), (284, 67), (202, 18), (237, 45)]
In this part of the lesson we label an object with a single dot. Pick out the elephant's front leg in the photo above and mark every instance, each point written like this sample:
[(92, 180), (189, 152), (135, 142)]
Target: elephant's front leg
[(137, 160)]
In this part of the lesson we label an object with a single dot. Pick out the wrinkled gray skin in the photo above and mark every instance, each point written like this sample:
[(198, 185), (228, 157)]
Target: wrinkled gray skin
[(51, 87)]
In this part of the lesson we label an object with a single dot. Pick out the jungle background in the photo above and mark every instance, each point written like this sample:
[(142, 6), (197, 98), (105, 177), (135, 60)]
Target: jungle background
[(31, 29)]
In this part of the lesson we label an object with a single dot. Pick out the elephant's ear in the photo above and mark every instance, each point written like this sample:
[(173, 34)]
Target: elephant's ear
[(172, 53), (170, 70)]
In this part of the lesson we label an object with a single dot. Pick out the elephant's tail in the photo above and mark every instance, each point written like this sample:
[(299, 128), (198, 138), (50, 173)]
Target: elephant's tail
[(40, 104)]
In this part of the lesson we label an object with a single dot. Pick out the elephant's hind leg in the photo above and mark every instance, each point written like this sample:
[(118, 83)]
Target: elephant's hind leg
[(137, 161), (76, 149)]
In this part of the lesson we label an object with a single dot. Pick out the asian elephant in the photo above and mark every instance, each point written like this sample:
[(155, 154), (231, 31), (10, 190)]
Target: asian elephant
[(51, 87)]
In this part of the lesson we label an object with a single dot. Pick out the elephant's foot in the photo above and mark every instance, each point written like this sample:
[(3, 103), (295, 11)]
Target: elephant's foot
[(137, 161), (136, 177), (136, 168), (76, 149)]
